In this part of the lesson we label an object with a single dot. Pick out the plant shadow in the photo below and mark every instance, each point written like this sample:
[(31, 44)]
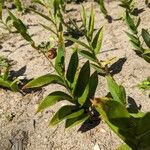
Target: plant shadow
[(117, 66), (137, 11), (90, 123), (16, 74), (132, 106)]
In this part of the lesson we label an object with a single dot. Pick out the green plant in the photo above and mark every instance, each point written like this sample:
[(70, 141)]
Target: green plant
[(80, 86), (135, 38), (5, 80), (103, 8), (18, 5), (94, 43), (5, 23), (129, 5), (145, 85), (131, 126)]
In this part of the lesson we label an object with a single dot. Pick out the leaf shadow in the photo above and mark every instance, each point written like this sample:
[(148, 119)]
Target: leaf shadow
[(90, 123), (132, 106), (137, 11), (20, 72), (117, 66)]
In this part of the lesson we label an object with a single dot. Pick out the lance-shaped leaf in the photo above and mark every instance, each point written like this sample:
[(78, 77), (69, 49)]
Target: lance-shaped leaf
[(131, 23), (146, 37), (144, 125), (4, 83), (97, 41), (91, 24), (98, 69), (60, 59), (138, 48), (76, 113), (14, 86), (77, 120), (56, 5), (82, 99), (84, 17), (117, 91), (48, 28), (119, 120), (44, 80), (72, 67), (1, 8), (62, 114), (143, 131), (79, 42), (21, 28), (88, 55), (134, 38), (6, 73), (93, 83), (53, 98), (18, 23), (18, 4), (102, 7), (82, 80), (89, 91)]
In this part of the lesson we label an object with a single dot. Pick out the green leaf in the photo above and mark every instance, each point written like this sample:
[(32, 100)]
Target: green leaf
[(48, 28), (79, 42), (131, 23), (117, 91), (87, 55), (133, 38), (143, 132), (144, 125), (145, 84), (97, 41), (18, 24), (53, 98), (77, 120), (98, 69), (119, 120), (82, 80), (84, 16), (82, 99), (124, 147), (76, 114), (60, 59), (21, 28), (102, 7), (72, 67), (6, 73), (18, 4), (93, 83), (62, 114), (146, 55), (56, 4), (146, 37), (14, 86), (118, 115), (1, 8), (137, 47), (4, 83), (44, 80), (91, 24)]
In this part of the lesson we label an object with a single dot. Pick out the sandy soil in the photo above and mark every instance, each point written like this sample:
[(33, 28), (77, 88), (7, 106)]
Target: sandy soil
[(33, 129)]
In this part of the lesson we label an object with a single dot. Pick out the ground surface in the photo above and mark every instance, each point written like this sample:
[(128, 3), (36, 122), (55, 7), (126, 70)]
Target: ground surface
[(33, 129)]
